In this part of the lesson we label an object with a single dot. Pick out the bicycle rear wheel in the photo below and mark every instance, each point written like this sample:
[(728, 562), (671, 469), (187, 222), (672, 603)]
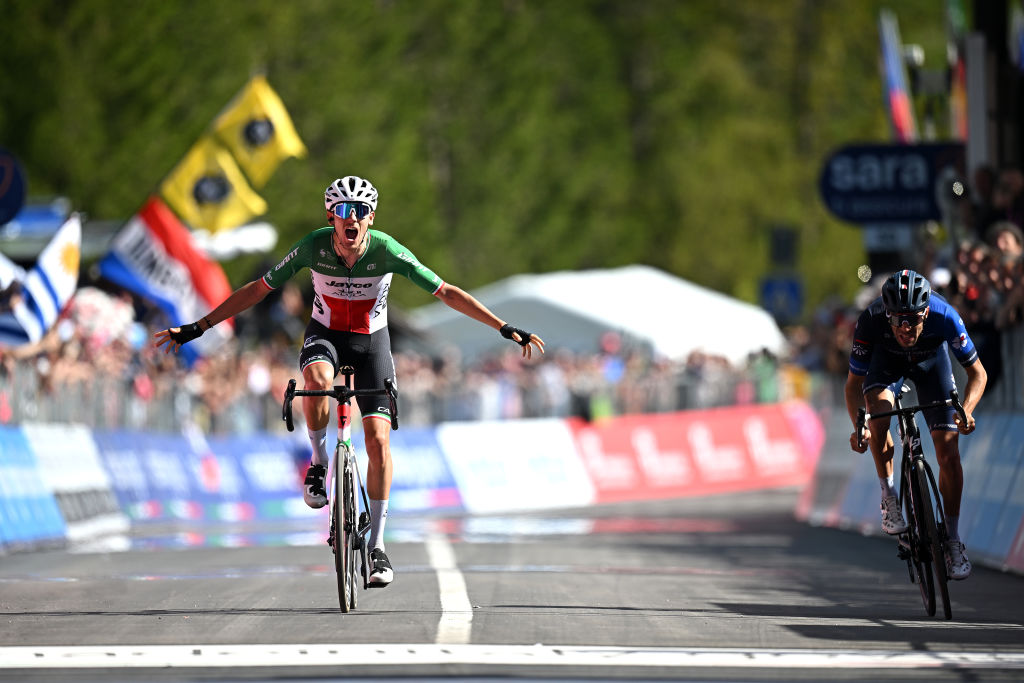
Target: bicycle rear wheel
[(920, 505), (342, 541)]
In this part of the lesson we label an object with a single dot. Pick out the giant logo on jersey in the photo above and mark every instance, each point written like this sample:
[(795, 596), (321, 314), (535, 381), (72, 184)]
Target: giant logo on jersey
[(286, 259)]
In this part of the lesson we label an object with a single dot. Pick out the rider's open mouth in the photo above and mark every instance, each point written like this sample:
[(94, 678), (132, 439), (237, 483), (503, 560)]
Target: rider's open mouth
[(351, 233)]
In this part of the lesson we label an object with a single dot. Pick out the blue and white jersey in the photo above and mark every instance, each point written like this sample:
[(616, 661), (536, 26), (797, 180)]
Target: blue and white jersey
[(943, 326)]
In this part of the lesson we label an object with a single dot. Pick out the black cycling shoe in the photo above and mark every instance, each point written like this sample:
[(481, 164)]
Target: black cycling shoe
[(381, 575), (313, 491)]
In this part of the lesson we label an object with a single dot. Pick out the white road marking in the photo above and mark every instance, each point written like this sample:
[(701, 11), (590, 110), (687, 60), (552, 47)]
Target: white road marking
[(289, 655), (456, 611)]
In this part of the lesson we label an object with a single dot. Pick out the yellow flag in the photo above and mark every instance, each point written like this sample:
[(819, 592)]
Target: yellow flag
[(258, 130), (208, 190)]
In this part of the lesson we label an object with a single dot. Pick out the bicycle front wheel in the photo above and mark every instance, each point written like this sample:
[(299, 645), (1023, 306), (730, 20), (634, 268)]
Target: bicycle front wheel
[(934, 542), (352, 541), (921, 505), (341, 534)]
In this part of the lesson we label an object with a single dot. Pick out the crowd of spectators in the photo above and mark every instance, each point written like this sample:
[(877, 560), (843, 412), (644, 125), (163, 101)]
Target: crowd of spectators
[(98, 365)]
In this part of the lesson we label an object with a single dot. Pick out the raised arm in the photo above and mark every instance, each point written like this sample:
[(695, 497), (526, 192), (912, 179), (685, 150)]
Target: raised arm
[(241, 299), (465, 303)]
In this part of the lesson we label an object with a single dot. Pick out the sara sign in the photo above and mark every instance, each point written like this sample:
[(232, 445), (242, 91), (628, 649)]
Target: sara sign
[(890, 183)]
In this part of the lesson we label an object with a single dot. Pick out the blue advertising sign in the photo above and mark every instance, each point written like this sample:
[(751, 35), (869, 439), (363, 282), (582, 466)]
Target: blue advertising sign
[(422, 479), (12, 186), (783, 297), (28, 511), (895, 183)]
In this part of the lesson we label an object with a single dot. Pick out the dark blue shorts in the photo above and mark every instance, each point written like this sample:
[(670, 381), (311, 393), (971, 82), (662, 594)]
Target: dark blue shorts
[(932, 377)]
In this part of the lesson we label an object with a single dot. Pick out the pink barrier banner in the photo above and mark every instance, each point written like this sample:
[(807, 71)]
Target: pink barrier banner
[(699, 452)]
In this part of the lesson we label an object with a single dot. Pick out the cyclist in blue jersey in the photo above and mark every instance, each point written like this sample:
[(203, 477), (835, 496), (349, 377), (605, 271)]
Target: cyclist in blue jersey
[(907, 333), (351, 267)]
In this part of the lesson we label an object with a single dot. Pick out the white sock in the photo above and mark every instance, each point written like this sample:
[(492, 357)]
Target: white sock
[(318, 438), (378, 515), (888, 487)]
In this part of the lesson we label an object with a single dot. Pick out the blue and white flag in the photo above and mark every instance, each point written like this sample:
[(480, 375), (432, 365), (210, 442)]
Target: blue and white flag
[(10, 272), (45, 289)]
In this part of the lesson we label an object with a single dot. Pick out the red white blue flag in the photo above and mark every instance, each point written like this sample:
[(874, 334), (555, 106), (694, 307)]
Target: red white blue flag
[(154, 255)]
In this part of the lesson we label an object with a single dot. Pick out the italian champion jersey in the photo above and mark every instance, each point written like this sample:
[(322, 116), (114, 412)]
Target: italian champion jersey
[(943, 327), (352, 299)]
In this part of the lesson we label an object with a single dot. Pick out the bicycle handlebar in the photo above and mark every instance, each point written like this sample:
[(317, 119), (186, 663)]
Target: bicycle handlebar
[(953, 400), (339, 393)]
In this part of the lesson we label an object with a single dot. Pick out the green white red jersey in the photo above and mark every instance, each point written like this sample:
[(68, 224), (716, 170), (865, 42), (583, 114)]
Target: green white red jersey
[(352, 299)]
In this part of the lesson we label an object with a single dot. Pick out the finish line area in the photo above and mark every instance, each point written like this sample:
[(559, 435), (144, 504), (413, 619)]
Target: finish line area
[(340, 655)]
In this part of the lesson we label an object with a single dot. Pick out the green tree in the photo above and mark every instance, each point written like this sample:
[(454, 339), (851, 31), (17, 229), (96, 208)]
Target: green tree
[(504, 136)]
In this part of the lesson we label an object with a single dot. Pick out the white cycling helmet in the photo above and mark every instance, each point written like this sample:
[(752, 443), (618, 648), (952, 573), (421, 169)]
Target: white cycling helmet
[(351, 188)]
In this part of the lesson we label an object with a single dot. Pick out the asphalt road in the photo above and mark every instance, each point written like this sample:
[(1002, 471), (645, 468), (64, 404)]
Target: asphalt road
[(724, 588)]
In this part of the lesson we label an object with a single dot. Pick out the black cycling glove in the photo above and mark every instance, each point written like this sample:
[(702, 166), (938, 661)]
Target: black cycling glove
[(524, 336), (187, 333)]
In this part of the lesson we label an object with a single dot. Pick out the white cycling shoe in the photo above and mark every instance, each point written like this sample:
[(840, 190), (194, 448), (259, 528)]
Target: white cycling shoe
[(381, 573), (892, 517), (313, 491), (958, 567)]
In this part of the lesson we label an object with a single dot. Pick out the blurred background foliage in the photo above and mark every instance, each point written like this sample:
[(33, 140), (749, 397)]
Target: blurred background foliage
[(505, 136)]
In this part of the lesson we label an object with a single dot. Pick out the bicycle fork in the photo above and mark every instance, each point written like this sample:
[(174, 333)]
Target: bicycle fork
[(349, 465)]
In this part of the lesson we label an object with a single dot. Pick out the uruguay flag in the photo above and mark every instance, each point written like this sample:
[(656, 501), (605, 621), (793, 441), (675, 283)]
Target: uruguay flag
[(154, 256), (45, 289)]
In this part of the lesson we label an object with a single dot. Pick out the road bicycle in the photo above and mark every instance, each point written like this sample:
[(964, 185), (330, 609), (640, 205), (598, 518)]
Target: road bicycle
[(349, 513), (921, 545)]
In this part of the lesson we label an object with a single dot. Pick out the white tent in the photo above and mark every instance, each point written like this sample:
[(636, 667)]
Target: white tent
[(572, 309)]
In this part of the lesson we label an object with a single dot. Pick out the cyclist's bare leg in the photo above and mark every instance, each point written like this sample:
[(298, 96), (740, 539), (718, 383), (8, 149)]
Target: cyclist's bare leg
[(317, 376), (377, 432), (951, 473), (882, 446)]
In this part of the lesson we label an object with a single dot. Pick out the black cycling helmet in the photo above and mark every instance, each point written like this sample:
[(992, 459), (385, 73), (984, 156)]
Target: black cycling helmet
[(906, 291)]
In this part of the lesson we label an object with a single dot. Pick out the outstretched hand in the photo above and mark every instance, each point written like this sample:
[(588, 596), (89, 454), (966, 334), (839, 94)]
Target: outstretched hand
[(175, 337), (164, 337), (525, 339)]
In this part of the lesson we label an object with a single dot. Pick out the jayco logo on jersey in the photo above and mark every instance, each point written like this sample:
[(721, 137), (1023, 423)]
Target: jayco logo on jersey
[(348, 285)]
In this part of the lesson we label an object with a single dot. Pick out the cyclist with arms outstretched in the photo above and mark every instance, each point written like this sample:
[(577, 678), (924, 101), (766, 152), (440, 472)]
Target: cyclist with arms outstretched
[(351, 267), (906, 333)]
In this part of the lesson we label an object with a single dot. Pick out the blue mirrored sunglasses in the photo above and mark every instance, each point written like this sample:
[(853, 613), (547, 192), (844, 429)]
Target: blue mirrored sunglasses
[(345, 209)]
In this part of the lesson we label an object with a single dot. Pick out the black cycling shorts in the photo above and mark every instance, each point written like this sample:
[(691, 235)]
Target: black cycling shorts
[(932, 377), (368, 354)]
